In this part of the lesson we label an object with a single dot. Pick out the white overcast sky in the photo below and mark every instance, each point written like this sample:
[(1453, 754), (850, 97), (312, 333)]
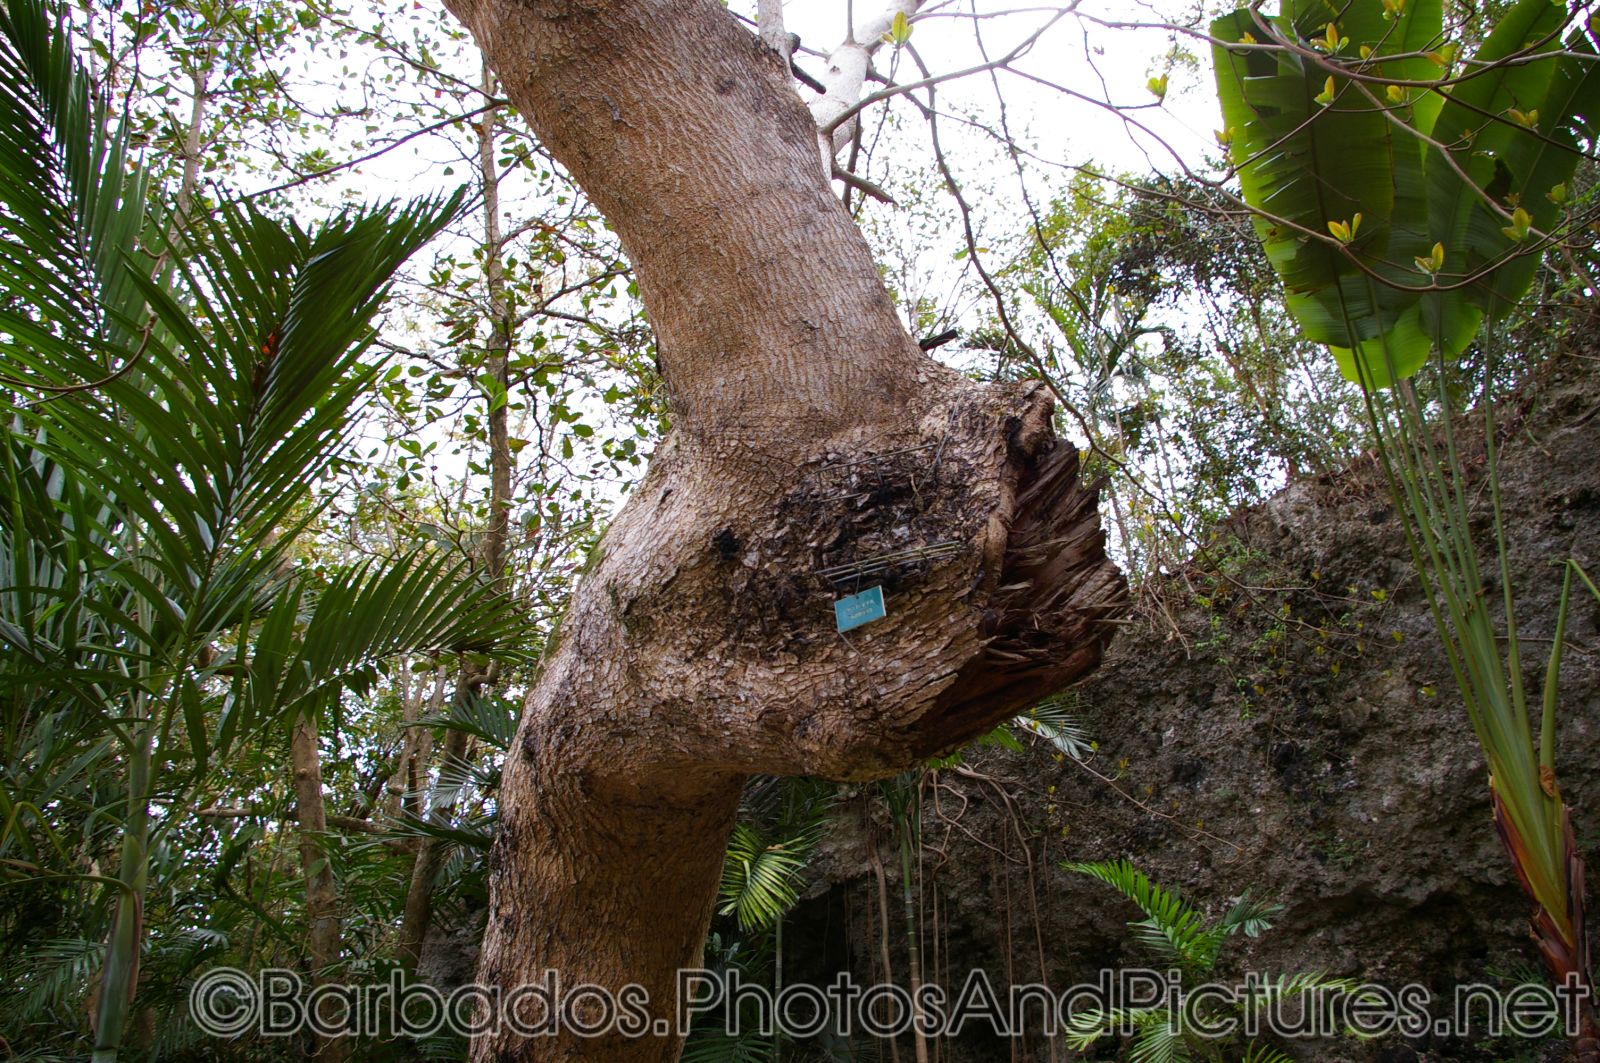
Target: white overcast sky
[(1102, 64)]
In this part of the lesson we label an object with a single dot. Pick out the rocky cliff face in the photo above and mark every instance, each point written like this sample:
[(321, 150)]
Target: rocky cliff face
[(1279, 718)]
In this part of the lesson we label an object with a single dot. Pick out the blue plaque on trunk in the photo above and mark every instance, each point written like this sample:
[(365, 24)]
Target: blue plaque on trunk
[(859, 609)]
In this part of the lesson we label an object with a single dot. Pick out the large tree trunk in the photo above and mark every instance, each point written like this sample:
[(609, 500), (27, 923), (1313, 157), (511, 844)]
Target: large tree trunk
[(810, 432)]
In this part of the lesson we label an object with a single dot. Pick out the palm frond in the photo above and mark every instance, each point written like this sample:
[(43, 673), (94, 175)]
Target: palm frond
[(71, 211), (1318, 988), (1261, 1052), (52, 978), (1314, 990), (305, 653), (473, 833), (1056, 720), (1083, 1028), (1172, 928), (719, 1046), (1249, 915), (761, 877), (1160, 1040), (492, 719)]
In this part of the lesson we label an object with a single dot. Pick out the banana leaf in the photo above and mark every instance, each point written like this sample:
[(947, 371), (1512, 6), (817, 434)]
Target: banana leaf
[(1423, 164)]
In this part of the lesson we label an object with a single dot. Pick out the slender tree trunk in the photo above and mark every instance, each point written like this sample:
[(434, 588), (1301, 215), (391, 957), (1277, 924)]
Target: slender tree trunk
[(885, 921), (906, 825), (402, 792), (430, 856), (200, 98), (322, 897), (471, 682), (119, 978), (810, 433)]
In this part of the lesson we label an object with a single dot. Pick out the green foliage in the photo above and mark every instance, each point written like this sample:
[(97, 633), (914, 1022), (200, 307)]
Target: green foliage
[(1459, 175), (346, 587), (1152, 312), (1174, 932), (195, 552), (1056, 719), (781, 821), (719, 1046), (769, 850), (1172, 929), (709, 1040), (1383, 186), (171, 410), (759, 877), (493, 720)]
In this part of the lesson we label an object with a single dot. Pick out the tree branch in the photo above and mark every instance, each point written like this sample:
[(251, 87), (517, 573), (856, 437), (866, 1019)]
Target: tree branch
[(847, 76)]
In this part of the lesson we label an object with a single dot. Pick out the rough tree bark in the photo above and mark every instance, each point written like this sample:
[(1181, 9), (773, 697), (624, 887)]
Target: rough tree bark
[(810, 433)]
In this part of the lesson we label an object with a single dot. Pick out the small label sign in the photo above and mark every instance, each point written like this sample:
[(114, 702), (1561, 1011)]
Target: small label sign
[(859, 609)]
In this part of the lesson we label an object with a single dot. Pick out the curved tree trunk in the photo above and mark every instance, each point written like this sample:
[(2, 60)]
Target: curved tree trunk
[(810, 434)]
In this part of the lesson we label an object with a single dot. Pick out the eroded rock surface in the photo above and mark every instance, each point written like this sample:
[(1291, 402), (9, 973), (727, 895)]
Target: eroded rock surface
[(1279, 719)]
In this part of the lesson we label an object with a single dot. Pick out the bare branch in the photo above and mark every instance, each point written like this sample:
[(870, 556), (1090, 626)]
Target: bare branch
[(847, 75), (305, 178), (769, 21), (934, 79), (862, 185)]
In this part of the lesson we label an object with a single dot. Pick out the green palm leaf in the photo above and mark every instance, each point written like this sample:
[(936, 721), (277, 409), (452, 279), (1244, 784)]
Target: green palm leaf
[(1172, 929), (1249, 915), (316, 644), (491, 719), (1056, 719), (1261, 1052), (73, 210), (1083, 1028), (719, 1046), (162, 442), (1160, 1040), (761, 877)]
